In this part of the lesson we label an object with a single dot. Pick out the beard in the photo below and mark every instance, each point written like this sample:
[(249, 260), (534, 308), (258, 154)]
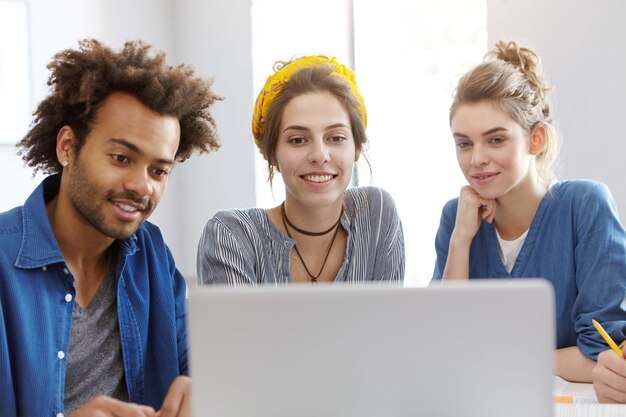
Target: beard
[(87, 199)]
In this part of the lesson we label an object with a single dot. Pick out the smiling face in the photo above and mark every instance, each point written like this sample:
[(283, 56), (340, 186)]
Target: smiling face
[(315, 151), (117, 178), (494, 152)]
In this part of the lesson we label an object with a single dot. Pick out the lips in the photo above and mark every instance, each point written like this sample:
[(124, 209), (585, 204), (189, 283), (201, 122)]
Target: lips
[(318, 178), (128, 211), (127, 207), (484, 177)]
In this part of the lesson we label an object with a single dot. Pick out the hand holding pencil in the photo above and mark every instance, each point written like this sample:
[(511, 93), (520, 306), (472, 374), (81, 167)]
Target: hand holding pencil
[(609, 374)]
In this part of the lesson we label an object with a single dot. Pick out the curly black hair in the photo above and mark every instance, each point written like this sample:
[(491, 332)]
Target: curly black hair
[(82, 79)]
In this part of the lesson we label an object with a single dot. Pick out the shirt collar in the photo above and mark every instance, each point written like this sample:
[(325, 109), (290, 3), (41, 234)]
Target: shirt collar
[(39, 246)]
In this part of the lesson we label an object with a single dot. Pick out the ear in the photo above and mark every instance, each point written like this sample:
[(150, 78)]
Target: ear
[(66, 140), (538, 139), (273, 163)]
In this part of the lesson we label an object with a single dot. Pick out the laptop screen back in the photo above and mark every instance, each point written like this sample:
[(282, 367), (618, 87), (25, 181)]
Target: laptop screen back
[(473, 349)]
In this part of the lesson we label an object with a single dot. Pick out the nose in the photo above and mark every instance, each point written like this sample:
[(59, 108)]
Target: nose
[(139, 183), (479, 156), (319, 153)]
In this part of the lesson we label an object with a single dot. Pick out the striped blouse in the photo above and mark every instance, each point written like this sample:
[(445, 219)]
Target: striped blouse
[(242, 246)]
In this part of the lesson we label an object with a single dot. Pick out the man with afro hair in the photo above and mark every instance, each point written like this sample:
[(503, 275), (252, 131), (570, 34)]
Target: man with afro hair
[(92, 307)]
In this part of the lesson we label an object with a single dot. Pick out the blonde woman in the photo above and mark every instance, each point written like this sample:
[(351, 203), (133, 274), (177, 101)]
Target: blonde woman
[(513, 220)]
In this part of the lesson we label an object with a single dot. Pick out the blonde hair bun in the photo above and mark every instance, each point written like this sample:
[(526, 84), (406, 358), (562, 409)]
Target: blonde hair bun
[(527, 61)]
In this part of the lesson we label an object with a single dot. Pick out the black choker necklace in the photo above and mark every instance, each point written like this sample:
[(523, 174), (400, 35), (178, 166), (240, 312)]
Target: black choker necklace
[(286, 221), (283, 214)]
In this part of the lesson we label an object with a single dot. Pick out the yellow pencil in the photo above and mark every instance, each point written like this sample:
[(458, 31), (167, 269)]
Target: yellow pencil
[(606, 337)]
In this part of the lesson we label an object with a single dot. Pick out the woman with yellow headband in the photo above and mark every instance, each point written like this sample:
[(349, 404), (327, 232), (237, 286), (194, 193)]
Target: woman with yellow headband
[(309, 124)]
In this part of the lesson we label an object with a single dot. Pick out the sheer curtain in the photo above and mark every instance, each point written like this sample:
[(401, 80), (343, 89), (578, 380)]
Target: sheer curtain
[(408, 58)]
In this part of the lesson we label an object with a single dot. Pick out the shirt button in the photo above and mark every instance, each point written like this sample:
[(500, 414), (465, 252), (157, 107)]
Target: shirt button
[(59, 414), (61, 354), (45, 268), (68, 297), (66, 271)]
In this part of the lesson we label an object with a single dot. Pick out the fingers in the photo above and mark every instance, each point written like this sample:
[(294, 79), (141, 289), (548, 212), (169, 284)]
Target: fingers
[(110, 407), (470, 200), (488, 210), (177, 403), (609, 378), (608, 394)]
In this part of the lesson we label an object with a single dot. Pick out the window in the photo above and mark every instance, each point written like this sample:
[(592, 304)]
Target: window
[(409, 56), (15, 102), (14, 70)]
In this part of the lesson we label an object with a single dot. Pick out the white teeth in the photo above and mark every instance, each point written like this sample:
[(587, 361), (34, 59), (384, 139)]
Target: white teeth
[(126, 207), (318, 178)]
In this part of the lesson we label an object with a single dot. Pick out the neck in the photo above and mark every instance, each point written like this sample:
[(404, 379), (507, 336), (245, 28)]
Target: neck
[(313, 219), (516, 210), (82, 245), (85, 251)]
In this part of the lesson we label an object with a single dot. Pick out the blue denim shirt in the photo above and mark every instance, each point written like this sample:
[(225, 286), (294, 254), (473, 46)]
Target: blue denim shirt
[(36, 300), (576, 242)]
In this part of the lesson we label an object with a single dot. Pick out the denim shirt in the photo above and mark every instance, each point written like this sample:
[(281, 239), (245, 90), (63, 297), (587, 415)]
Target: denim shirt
[(576, 242), (37, 295)]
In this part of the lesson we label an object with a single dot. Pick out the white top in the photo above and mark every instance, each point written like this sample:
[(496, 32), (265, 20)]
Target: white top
[(509, 249)]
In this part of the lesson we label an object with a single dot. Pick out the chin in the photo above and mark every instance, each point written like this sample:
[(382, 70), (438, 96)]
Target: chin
[(121, 233), (323, 201), (489, 194)]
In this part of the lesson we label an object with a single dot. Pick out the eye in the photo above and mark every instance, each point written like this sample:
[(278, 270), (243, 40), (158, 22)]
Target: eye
[(337, 138), (296, 140), (160, 172), (498, 140), (463, 144), (119, 158)]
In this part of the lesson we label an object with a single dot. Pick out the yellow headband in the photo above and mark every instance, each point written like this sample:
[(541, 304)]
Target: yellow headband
[(275, 83)]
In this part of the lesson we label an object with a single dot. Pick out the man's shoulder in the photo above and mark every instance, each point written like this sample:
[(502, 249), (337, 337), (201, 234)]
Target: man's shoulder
[(11, 221)]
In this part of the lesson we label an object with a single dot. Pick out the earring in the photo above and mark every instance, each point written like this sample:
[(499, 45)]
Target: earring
[(65, 163)]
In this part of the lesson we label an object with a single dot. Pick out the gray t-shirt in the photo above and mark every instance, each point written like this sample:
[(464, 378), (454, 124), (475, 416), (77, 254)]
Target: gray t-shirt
[(239, 247), (94, 359)]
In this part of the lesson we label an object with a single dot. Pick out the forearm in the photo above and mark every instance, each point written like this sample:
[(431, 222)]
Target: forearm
[(572, 365), (457, 263)]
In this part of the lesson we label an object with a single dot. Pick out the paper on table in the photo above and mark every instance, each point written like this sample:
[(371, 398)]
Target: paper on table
[(571, 392), (590, 410)]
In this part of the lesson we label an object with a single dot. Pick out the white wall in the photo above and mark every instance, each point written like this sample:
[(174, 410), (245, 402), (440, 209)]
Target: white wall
[(583, 47), (215, 38), (57, 25)]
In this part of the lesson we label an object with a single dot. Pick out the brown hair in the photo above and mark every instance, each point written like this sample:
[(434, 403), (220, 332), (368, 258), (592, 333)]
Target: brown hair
[(319, 78), (511, 78), (82, 79)]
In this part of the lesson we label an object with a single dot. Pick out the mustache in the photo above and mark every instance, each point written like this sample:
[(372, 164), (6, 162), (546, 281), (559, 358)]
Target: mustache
[(144, 202)]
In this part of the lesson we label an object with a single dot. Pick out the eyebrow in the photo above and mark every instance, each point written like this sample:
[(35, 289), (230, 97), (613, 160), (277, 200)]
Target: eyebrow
[(494, 130), (134, 148), (294, 127), (485, 133), (298, 127)]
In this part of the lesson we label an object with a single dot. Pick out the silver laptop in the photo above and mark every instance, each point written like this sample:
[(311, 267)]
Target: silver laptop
[(473, 349)]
